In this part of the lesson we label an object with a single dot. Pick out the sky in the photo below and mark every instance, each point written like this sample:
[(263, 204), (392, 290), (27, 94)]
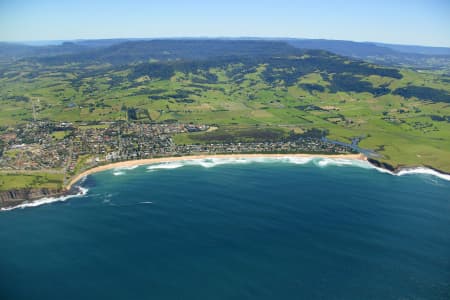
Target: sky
[(414, 22)]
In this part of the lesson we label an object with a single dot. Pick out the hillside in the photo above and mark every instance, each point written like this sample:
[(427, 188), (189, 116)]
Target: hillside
[(122, 51), (427, 58), (167, 50), (402, 115), (12, 52)]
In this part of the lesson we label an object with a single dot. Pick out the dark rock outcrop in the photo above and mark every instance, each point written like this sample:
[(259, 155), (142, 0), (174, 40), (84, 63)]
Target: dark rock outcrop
[(19, 196), (382, 165)]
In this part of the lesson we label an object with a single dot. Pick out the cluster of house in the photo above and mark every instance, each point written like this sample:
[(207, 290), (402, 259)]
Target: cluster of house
[(31, 147), (304, 145), (65, 146)]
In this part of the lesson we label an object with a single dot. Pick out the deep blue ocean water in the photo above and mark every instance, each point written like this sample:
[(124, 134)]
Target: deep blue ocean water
[(271, 230)]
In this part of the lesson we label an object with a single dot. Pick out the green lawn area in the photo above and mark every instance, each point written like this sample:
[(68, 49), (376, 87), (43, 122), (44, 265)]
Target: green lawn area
[(59, 135), (12, 180), (402, 130)]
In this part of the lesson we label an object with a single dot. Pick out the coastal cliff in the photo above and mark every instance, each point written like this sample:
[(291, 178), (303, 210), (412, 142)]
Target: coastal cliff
[(383, 165), (399, 168), (19, 196)]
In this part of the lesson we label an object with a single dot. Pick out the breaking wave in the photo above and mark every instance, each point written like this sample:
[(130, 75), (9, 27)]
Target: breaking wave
[(325, 162), (121, 170), (82, 192), (422, 170), (126, 167), (172, 165), (317, 161), (213, 162)]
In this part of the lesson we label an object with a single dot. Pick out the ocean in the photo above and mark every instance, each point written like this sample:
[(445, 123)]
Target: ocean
[(235, 229)]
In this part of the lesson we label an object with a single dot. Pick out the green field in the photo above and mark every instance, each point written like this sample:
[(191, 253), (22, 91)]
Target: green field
[(15, 180), (405, 130)]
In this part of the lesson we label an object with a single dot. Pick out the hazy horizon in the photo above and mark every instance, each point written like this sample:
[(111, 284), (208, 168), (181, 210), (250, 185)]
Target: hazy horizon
[(416, 22), (60, 41)]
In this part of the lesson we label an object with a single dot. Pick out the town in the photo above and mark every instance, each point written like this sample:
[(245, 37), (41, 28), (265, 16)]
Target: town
[(70, 148)]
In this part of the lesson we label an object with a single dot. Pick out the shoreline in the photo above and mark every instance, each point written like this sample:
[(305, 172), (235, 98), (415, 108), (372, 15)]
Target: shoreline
[(150, 161), (73, 190)]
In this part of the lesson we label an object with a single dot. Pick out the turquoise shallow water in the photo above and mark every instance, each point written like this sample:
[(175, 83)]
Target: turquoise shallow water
[(273, 230)]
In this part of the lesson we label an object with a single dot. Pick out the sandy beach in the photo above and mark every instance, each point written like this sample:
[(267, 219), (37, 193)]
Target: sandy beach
[(131, 163)]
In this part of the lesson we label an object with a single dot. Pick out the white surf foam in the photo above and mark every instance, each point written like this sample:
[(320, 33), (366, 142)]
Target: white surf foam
[(81, 193), (82, 180), (318, 161), (169, 165), (324, 162), (410, 171), (126, 167), (423, 171), (121, 170), (213, 162), (299, 160)]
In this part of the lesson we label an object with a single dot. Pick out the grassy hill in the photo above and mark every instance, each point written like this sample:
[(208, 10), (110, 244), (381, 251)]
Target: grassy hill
[(420, 58), (238, 85), (122, 51)]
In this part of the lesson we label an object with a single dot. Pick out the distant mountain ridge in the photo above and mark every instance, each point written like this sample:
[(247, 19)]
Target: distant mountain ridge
[(347, 48), (417, 49), (417, 57), (127, 50), (13, 51)]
